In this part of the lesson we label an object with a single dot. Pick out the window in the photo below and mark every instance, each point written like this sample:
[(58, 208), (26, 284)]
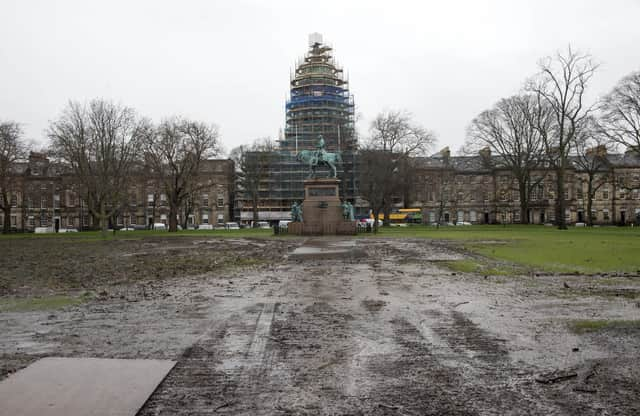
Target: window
[(537, 193), (43, 202), (516, 216), (163, 199), (472, 216), (220, 200), (605, 214), (205, 200), (634, 193), (594, 215), (32, 221), (14, 200), (566, 194), (579, 193), (56, 201), (163, 219), (622, 194), (503, 195), (460, 216), (567, 215), (205, 218), (132, 220), (14, 220), (605, 193), (150, 200)]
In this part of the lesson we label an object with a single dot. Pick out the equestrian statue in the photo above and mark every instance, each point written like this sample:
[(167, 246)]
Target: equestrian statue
[(320, 156)]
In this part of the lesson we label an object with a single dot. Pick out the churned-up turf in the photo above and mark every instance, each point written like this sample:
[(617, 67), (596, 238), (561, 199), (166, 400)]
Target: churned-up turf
[(582, 250)]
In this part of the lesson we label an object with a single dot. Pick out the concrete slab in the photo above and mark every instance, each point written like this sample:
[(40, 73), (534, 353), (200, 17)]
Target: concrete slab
[(81, 386), (327, 248)]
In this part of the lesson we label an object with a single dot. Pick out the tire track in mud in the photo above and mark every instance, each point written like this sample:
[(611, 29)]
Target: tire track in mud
[(219, 372), (352, 339)]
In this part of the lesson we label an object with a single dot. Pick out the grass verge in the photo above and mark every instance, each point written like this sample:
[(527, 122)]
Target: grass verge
[(41, 303), (483, 268), (587, 326)]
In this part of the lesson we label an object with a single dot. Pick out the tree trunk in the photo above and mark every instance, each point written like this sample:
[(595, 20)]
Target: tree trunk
[(6, 228), (173, 217), (560, 202), (524, 203), (590, 195), (613, 201), (256, 216), (376, 215), (104, 221)]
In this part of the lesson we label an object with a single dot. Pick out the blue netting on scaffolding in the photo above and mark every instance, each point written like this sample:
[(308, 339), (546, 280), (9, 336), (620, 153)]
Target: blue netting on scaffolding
[(328, 99), (324, 89)]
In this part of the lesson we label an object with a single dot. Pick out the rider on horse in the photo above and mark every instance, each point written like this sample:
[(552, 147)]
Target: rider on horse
[(320, 151)]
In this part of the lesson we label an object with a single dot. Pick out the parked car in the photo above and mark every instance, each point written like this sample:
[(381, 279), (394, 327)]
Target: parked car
[(205, 227), (159, 226), (231, 226), (67, 230), (263, 224), (127, 229), (284, 224)]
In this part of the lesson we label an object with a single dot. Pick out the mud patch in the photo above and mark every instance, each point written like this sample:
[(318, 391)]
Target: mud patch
[(373, 305)]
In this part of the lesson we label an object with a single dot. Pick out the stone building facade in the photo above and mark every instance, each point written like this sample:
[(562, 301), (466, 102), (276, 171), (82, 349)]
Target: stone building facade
[(46, 194), (475, 189)]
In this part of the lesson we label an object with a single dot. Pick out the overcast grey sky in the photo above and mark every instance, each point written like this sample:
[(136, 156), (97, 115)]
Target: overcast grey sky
[(228, 62)]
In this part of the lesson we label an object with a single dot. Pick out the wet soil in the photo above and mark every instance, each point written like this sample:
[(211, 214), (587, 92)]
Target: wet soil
[(391, 333)]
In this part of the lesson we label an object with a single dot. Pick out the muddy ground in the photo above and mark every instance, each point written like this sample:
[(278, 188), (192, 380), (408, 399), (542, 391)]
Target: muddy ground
[(256, 331)]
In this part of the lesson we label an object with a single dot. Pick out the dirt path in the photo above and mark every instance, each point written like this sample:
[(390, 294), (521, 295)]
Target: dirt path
[(390, 334)]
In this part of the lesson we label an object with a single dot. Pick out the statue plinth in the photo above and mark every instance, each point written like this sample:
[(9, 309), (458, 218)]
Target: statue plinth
[(322, 210)]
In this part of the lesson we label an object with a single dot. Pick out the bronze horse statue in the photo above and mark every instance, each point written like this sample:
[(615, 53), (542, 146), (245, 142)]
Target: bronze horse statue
[(314, 158)]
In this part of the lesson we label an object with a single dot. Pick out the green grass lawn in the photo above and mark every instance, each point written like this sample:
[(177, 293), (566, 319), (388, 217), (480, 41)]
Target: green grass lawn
[(585, 250)]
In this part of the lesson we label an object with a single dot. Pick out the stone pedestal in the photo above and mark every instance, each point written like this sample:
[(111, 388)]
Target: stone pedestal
[(322, 210)]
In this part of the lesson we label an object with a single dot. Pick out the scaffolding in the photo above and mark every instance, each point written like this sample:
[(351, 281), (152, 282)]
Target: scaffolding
[(319, 104)]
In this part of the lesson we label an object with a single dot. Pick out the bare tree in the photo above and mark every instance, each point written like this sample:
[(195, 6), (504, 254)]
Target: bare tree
[(12, 150), (376, 169), (509, 130), (592, 146), (620, 117), (395, 133), (252, 163), (174, 151), (560, 86), (99, 141)]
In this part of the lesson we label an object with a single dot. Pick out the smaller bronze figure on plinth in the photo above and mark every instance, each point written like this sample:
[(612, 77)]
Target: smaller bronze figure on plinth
[(296, 212)]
